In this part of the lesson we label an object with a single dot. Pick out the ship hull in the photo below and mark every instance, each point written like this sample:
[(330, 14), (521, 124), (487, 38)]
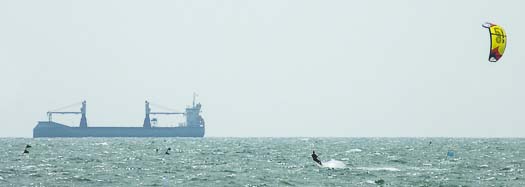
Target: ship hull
[(53, 129)]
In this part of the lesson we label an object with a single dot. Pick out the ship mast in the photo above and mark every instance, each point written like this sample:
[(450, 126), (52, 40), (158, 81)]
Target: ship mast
[(83, 119), (194, 96), (147, 121)]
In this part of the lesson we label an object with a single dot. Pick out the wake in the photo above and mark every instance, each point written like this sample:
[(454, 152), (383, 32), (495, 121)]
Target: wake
[(336, 164)]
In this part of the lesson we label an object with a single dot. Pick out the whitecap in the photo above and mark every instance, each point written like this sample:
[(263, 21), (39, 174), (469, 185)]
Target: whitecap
[(379, 169), (389, 169), (354, 150), (426, 169), (165, 182)]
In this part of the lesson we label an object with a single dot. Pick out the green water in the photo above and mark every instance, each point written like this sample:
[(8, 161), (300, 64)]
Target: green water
[(262, 162)]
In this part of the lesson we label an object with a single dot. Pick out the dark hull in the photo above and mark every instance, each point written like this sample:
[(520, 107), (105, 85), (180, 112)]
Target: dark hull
[(52, 129)]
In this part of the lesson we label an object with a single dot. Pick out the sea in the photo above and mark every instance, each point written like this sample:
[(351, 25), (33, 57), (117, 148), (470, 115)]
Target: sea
[(212, 161)]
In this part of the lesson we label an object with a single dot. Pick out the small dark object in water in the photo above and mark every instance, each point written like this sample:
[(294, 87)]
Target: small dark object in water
[(167, 151), (430, 143), (380, 181), (157, 150), (28, 146)]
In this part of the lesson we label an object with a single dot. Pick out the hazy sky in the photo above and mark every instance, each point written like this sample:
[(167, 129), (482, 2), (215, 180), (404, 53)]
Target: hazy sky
[(268, 67)]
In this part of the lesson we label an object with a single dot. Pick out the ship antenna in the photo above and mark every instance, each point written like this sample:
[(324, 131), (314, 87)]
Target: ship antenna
[(194, 95)]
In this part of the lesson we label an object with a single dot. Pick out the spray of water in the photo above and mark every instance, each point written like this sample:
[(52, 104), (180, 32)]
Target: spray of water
[(336, 164)]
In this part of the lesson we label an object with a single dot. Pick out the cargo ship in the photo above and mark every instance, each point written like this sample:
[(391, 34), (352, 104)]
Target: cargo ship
[(193, 125)]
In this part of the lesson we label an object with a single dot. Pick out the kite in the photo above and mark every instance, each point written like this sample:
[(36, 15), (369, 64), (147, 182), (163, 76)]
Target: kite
[(498, 41)]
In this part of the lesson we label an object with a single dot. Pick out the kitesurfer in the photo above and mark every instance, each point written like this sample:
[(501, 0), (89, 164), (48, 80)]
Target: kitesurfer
[(316, 158)]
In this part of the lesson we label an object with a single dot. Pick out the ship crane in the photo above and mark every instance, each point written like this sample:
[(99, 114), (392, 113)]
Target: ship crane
[(147, 121), (83, 119)]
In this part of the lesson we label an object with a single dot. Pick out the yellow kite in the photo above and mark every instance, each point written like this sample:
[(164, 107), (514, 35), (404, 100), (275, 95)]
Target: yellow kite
[(498, 41)]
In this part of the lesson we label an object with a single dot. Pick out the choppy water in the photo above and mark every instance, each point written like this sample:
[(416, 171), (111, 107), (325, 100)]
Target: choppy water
[(262, 162)]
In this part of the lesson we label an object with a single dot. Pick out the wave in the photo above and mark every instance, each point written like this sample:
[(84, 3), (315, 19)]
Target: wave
[(378, 169), (354, 150)]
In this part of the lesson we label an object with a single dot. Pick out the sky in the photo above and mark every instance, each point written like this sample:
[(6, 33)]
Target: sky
[(272, 68)]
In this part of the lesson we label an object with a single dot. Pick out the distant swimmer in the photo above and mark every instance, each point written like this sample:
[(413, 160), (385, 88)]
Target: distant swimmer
[(167, 151), (157, 150), (316, 158)]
